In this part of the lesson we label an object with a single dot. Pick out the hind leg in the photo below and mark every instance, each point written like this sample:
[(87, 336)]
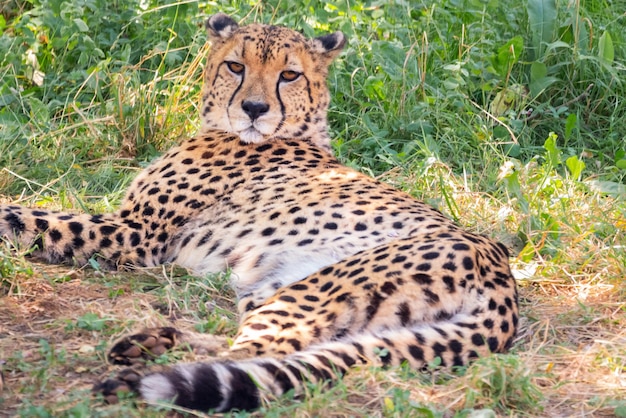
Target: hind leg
[(406, 283)]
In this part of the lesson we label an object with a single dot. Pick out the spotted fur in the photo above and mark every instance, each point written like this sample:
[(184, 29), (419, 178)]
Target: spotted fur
[(331, 267)]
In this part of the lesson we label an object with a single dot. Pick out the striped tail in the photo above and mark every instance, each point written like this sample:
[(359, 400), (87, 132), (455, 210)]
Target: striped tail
[(225, 385)]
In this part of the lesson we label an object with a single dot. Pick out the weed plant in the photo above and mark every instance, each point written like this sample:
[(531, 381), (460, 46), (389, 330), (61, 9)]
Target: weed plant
[(506, 115)]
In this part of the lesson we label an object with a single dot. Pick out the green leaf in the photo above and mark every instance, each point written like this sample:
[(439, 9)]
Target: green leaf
[(39, 112), (606, 51), (539, 79), (575, 166), (570, 124), (538, 70), (508, 54), (542, 21), (538, 86), (620, 411), (553, 153), (621, 164), (81, 25), (608, 187)]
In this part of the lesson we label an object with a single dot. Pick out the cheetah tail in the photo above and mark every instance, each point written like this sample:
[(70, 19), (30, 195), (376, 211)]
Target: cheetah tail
[(224, 385)]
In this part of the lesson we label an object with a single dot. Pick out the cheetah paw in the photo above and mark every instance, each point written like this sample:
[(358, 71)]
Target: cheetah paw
[(146, 345), (122, 386)]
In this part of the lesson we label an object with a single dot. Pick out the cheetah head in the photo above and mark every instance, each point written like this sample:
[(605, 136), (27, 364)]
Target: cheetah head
[(267, 82)]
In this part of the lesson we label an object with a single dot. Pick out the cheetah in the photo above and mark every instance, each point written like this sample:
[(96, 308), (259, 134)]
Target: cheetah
[(331, 268)]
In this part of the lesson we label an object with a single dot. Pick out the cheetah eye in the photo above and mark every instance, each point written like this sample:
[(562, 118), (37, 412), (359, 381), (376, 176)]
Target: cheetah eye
[(289, 76), (235, 67)]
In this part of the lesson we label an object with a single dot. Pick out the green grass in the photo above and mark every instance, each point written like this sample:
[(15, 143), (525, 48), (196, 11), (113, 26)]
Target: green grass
[(508, 116)]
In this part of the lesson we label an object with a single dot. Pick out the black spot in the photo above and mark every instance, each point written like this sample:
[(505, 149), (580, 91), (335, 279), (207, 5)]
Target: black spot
[(404, 312), (287, 298), (504, 326), (42, 224), (326, 271), (493, 343), (431, 297), (107, 229), (360, 226), (423, 267), (450, 266), (360, 280), (449, 282), (388, 288), (373, 305), (468, 263), (268, 231), (416, 352), (326, 286), (460, 247), (55, 235), (264, 147), (135, 239), (385, 355), (355, 272), (439, 349), (78, 242), (76, 227), (105, 243), (295, 344), (455, 346), (478, 340)]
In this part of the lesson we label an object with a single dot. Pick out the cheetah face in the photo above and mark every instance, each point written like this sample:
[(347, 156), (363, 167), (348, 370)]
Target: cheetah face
[(266, 82)]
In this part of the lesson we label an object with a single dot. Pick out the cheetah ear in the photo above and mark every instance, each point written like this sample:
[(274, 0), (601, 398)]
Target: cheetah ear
[(221, 26), (329, 45)]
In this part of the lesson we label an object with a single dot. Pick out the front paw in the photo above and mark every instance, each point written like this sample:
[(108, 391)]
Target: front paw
[(124, 384), (146, 345)]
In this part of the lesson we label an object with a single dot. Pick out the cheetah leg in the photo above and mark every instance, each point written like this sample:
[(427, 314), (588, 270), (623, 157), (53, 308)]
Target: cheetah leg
[(402, 284), (59, 237), (152, 342)]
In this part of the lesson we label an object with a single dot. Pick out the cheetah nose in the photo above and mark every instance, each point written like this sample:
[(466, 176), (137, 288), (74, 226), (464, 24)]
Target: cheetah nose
[(255, 109)]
